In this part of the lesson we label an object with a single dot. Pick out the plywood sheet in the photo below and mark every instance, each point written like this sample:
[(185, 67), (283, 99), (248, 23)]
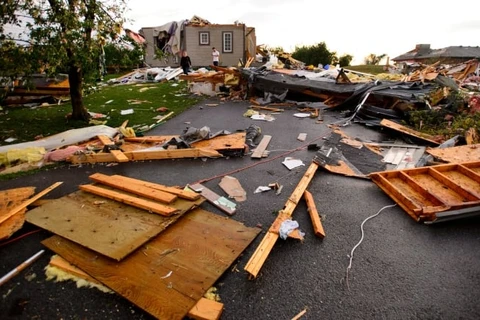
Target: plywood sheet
[(232, 141), (168, 275), (458, 154), (103, 225)]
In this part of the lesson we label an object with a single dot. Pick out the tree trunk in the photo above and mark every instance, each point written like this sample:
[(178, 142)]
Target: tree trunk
[(76, 93)]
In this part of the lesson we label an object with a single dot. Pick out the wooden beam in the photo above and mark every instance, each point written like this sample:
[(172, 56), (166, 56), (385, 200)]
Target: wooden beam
[(205, 309), (260, 149), (266, 108), (146, 155), (26, 203), (137, 189), (312, 210), (130, 200), (105, 140), (188, 195), (263, 250), (119, 155)]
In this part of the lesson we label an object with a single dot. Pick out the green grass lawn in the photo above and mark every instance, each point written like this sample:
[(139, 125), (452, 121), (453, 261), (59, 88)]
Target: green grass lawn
[(24, 124), (372, 69)]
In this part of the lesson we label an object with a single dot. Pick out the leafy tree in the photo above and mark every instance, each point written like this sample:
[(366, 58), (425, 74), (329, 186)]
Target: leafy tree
[(65, 35), (373, 59), (314, 54), (123, 54), (345, 60)]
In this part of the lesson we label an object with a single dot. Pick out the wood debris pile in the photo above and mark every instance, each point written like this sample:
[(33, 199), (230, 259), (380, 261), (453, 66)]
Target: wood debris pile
[(123, 234)]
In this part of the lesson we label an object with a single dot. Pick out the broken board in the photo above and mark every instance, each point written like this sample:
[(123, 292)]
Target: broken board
[(262, 146), (423, 192), (10, 199), (458, 154), (205, 309), (220, 202), (106, 226), (168, 275), (408, 131)]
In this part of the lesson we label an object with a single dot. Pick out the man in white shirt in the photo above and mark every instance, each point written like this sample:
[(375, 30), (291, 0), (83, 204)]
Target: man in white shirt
[(215, 56)]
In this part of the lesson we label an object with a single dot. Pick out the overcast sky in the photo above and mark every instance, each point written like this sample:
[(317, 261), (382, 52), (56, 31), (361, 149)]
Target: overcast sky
[(346, 26)]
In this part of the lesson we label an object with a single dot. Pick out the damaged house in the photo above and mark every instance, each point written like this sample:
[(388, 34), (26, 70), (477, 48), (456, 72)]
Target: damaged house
[(424, 54), (165, 43)]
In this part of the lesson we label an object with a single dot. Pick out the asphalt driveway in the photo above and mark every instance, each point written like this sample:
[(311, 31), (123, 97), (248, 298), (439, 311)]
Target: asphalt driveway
[(401, 270)]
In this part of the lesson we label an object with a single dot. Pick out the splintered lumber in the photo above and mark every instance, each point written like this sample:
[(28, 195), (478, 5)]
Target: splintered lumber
[(26, 203), (263, 250), (205, 309), (408, 131), (262, 146), (117, 154), (130, 200), (266, 108), (144, 191), (220, 202), (312, 210), (188, 195), (106, 226), (168, 276), (10, 199), (145, 155), (459, 154)]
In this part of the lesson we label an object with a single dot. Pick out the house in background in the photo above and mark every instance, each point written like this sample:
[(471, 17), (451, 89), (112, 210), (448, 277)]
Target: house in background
[(197, 36), (449, 55)]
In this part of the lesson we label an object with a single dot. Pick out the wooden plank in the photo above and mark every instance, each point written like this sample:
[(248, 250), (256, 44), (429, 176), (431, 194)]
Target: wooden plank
[(62, 264), (468, 196), (262, 146), (258, 258), (130, 200), (266, 108), (151, 139), (105, 140), (409, 179), (188, 195), (171, 273), (457, 154), (26, 203), (12, 197), (408, 131), (234, 141), (205, 309), (215, 199), (106, 226), (119, 156), (146, 155), (144, 191), (12, 224), (312, 210)]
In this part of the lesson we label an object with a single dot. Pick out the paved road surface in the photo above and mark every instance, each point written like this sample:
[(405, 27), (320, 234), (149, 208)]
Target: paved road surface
[(402, 270)]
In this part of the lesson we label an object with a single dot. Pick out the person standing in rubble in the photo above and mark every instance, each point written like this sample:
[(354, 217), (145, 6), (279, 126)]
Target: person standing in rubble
[(215, 56), (185, 62)]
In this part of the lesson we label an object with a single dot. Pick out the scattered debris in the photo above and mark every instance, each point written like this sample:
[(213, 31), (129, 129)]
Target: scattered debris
[(220, 202), (292, 163), (261, 189), (233, 188)]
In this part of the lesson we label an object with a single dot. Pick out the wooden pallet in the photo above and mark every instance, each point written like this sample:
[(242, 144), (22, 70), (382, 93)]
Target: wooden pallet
[(424, 192)]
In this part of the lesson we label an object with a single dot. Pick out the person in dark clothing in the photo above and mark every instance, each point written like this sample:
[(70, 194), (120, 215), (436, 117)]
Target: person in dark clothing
[(185, 62)]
